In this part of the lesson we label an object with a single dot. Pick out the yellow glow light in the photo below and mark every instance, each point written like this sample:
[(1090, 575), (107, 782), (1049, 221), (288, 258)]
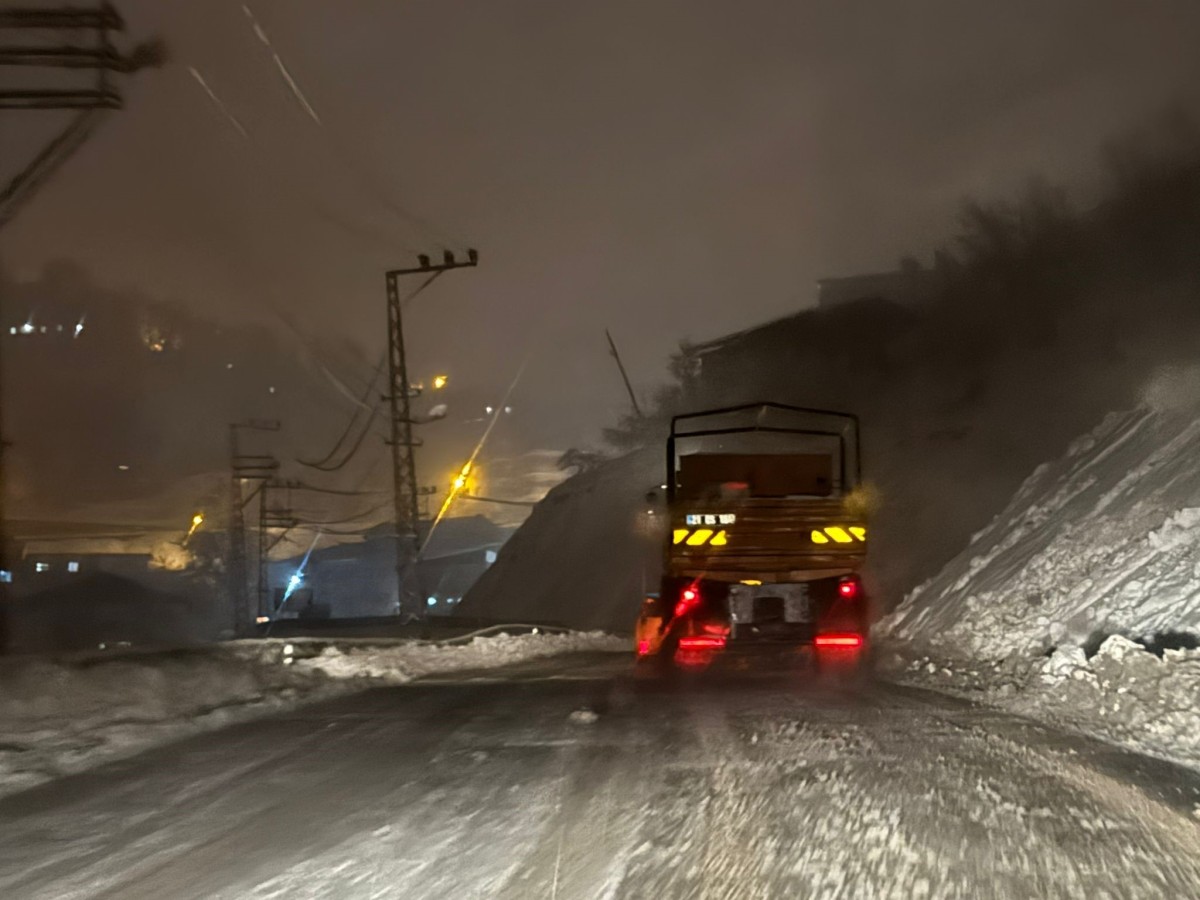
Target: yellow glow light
[(859, 532), (753, 582), (439, 382), (699, 537), (197, 520), (839, 534), (679, 534), (819, 538), (720, 540)]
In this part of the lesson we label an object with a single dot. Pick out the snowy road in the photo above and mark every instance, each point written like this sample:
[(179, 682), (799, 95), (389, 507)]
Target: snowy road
[(732, 787)]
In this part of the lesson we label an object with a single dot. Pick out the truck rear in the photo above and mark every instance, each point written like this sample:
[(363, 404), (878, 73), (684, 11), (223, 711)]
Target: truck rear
[(767, 536)]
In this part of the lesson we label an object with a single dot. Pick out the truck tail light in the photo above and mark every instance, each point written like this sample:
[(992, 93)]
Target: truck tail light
[(689, 599), (849, 587), (702, 642), (846, 641)]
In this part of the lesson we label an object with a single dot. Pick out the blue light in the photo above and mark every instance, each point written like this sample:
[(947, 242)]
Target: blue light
[(432, 601)]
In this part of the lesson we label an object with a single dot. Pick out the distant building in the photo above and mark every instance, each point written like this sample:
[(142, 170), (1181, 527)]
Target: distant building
[(359, 579), (910, 285)]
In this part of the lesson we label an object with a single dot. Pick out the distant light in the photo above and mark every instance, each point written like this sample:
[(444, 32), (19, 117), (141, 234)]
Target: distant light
[(489, 410), (60, 328), (198, 519), (41, 567), (43, 329), (5, 576), (79, 328), (295, 582), (229, 365), (271, 389), (123, 467), (432, 601), (27, 328), (73, 566), (508, 410), (489, 556), (261, 620), (12, 329), (439, 382)]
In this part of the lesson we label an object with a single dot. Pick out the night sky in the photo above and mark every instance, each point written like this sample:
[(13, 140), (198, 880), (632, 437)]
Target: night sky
[(666, 170)]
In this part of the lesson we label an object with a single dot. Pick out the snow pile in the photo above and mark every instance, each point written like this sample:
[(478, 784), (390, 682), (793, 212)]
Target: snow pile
[(399, 663), (1080, 603), (1122, 693), (59, 716), (1104, 541), (586, 554)]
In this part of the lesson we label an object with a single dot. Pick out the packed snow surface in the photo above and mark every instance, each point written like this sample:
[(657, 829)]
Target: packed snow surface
[(730, 788), (1104, 541), (62, 715)]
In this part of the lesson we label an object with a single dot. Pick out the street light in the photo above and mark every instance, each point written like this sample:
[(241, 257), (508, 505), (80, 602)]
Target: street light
[(439, 382)]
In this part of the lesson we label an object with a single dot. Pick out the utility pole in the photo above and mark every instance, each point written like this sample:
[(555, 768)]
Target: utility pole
[(243, 468), (637, 410), (399, 397), (93, 56)]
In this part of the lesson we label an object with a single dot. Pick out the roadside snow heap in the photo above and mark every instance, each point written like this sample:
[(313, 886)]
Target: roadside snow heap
[(1081, 600), (59, 716), (586, 555)]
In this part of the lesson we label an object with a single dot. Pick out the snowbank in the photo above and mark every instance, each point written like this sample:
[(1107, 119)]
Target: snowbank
[(1123, 693), (585, 555), (1104, 541), (1080, 603), (65, 715)]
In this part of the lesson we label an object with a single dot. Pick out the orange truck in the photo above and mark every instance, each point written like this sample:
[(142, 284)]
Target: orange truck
[(766, 536)]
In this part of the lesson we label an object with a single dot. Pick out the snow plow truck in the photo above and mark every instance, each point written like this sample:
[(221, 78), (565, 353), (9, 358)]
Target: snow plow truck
[(766, 535)]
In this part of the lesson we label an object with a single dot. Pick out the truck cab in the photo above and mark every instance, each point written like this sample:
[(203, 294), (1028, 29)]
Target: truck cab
[(767, 534)]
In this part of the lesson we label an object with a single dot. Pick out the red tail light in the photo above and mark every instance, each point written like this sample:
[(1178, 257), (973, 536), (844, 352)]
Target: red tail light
[(849, 587), (842, 641), (688, 599), (702, 642), (643, 648)]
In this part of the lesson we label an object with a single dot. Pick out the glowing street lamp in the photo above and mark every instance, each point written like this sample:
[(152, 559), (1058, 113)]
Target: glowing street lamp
[(197, 521), (439, 382)]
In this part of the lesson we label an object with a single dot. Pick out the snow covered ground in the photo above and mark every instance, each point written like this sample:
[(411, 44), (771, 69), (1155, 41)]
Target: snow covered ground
[(59, 716), (1080, 602)]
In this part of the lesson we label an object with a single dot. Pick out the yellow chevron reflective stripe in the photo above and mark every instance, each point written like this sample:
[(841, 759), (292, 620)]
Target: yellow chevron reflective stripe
[(838, 534), (700, 537)]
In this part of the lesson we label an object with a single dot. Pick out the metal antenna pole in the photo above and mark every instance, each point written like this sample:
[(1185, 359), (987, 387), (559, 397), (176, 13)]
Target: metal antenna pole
[(406, 492), (637, 410)]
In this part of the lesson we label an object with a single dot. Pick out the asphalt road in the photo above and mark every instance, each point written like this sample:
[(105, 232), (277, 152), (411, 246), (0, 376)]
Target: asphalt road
[(569, 778)]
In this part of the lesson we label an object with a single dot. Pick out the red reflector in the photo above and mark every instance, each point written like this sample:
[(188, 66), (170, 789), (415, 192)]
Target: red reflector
[(702, 642), (838, 640), (848, 588), (643, 648), (690, 595)]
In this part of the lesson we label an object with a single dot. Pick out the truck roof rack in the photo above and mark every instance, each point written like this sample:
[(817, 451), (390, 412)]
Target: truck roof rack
[(849, 421)]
